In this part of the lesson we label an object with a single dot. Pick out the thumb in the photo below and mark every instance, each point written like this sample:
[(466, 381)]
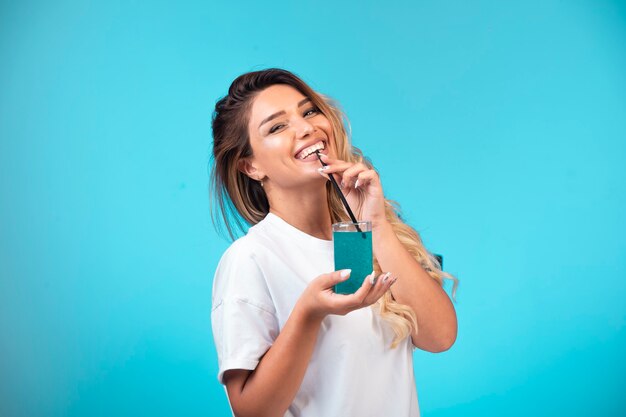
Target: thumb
[(335, 277), (321, 171)]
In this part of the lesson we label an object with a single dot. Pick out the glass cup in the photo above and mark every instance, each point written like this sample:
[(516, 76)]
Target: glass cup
[(353, 250)]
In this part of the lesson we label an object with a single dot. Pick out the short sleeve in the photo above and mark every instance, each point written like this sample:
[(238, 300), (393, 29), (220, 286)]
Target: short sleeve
[(243, 316)]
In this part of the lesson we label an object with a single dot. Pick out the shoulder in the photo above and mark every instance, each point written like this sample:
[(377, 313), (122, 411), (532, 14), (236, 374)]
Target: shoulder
[(248, 250), (248, 245), (242, 248), (238, 275)]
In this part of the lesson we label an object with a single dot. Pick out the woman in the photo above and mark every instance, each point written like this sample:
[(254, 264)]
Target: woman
[(286, 343)]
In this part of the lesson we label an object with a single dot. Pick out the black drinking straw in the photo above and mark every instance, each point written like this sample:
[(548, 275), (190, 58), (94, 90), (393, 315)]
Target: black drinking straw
[(343, 199)]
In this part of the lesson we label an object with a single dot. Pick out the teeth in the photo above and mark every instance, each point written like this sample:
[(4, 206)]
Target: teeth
[(308, 151)]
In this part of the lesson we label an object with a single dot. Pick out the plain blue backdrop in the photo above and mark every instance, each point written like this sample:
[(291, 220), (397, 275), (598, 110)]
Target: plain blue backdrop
[(499, 127)]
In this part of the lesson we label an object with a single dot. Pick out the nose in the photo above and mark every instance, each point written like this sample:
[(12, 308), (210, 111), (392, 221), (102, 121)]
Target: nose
[(304, 128)]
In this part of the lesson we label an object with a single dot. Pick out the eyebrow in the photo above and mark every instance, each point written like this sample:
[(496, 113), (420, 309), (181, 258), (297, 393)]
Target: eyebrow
[(275, 115)]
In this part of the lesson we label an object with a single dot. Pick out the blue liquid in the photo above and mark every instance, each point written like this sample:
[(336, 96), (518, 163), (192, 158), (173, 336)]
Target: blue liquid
[(353, 250)]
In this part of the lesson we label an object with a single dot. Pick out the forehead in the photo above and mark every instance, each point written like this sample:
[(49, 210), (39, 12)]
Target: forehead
[(274, 99)]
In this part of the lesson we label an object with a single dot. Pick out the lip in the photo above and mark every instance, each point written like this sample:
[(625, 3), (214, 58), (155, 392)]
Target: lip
[(311, 143)]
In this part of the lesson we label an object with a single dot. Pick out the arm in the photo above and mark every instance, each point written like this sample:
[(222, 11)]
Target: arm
[(436, 318), (272, 386)]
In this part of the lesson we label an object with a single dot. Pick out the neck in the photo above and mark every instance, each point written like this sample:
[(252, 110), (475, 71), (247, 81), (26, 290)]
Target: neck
[(306, 210)]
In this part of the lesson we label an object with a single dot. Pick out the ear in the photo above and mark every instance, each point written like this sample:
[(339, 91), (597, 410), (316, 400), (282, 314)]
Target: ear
[(249, 168)]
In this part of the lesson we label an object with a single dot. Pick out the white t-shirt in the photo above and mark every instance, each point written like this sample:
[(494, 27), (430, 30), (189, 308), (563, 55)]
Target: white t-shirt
[(352, 371)]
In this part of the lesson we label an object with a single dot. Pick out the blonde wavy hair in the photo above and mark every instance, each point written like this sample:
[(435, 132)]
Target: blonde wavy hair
[(237, 197)]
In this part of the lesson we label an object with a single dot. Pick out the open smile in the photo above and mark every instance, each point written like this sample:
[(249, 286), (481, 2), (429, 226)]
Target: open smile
[(308, 153)]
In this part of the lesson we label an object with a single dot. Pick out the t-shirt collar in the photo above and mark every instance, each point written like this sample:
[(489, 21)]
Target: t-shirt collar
[(296, 234)]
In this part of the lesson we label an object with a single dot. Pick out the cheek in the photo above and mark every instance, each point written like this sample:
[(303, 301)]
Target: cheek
[(272, 149), (327, 127), (324, 124), (274, 144)]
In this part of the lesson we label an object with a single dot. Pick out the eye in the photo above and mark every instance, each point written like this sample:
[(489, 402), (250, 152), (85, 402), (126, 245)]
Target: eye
[(312, 110), (276, 127)]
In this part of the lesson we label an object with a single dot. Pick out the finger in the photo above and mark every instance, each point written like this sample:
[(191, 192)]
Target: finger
[(348, 171), (336, 167), (355, 300), (332, 161), (329, 170), (372, 277), (367, 177), (351, 174), (377, 289), (384, 283), (321, 172), (330, 279)]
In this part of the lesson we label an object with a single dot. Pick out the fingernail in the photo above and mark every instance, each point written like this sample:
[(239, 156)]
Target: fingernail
[(372, 278), (323, 174), (386, 277), (345, 272), (324, 168), (356, 184)]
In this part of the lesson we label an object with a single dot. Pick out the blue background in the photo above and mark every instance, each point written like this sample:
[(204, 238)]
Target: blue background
[(500, 128)]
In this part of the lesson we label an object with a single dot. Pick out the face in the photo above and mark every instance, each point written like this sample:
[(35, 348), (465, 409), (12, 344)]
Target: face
[(283, 123)]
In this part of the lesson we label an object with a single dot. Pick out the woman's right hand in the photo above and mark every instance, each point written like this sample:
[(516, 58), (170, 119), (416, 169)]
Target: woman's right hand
[(318, 299)]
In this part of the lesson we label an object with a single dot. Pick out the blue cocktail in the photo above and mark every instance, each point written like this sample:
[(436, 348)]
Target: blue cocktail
[(353, 250)]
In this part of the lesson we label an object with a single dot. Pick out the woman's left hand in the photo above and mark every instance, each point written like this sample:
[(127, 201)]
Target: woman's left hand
[(353, 177)]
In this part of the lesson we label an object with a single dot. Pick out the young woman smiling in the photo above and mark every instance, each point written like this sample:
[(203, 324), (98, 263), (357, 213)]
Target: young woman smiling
[(287, 344)]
